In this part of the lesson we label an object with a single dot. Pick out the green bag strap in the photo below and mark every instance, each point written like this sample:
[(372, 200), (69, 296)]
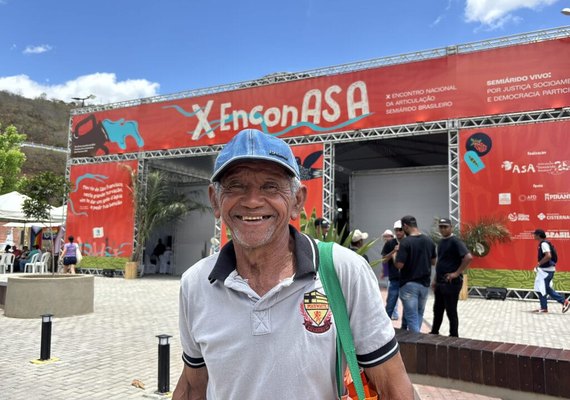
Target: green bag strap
[(331, 284)]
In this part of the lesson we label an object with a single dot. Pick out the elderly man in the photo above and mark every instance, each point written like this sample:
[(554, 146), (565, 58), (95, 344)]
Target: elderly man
[(246, 325)]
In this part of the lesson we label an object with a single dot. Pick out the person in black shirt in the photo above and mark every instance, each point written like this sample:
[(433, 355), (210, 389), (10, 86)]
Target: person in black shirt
[(453, 258), (415, 257), (159, 250)]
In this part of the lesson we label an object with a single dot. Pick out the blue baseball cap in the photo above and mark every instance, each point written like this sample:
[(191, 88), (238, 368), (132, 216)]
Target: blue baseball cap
[(254, 145)]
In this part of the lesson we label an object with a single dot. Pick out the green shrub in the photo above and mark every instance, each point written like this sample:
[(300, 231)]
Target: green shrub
[(103, 262)]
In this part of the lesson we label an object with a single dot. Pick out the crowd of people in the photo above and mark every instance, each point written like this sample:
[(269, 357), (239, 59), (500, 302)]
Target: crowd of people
[(21, 256), (69, 256)]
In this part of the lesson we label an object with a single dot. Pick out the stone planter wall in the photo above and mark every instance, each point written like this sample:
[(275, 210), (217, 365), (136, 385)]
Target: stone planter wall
[(504, 370), (60, 295)]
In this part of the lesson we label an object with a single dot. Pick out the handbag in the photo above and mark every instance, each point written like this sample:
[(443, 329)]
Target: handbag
[(78, 254), (354, 379)]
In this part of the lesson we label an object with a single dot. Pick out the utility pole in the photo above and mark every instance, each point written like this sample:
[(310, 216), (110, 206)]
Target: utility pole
[(82, 99)]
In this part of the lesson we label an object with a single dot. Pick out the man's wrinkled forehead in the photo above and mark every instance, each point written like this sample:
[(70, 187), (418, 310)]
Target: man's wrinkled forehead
[(255, 167)]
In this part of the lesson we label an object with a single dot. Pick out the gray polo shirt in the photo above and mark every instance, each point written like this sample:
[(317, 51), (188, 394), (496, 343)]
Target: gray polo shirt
[(283, 344)]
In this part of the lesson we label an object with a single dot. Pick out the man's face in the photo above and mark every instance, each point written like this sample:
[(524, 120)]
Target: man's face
[(445, 230), (399, 233), (256, 202)]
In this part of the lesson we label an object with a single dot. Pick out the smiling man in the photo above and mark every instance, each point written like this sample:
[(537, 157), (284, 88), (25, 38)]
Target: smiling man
[(254, 318)]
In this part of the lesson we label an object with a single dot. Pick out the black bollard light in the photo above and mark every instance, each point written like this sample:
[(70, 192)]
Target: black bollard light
[(163, 363), (46, 337)]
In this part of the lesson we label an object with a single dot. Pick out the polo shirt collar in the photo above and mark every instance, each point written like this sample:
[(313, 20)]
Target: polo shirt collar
[(306, 256)]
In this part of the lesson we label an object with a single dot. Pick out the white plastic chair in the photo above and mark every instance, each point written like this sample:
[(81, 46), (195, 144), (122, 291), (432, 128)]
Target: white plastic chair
[(6, 261), (32, 263), (41, 266)]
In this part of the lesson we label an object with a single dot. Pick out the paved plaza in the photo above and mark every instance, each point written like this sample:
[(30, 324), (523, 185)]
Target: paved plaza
[(102, 353)]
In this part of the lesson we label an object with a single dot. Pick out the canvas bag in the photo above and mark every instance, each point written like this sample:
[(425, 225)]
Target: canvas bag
[(78, 254), (357, 388)]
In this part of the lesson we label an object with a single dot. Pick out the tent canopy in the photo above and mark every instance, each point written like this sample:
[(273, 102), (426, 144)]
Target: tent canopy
[(11, 210)]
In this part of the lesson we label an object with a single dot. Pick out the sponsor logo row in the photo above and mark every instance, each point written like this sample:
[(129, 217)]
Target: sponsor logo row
[(506, 198), (521, 217)]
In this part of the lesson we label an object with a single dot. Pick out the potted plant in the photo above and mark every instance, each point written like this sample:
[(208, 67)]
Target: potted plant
[(154, 205), (333, 235)]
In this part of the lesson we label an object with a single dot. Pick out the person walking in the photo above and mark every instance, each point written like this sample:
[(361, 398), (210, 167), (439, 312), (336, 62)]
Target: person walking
[(547, 259), (272, 317), (415, 258), (69, 254), (453, 258)]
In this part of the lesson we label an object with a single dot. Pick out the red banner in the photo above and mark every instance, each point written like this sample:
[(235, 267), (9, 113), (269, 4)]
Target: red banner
[(503, 80), (100, 208), (520, 174)]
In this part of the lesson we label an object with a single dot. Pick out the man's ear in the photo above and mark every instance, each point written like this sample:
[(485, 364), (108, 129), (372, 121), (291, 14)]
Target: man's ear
[(300, 198), (214, 201)]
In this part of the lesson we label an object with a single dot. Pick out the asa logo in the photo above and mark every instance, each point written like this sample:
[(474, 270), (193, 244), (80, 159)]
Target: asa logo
[(518, 169)]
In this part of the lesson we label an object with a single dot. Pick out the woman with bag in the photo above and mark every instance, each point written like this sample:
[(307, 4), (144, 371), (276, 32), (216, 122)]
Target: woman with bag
[(70, 253)]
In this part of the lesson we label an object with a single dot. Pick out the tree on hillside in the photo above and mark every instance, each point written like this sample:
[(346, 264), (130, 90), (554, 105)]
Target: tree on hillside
[(45, 189), (11, 158)]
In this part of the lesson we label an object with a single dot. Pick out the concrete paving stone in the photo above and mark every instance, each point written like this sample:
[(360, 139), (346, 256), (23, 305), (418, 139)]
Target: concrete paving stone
[(103, 352)]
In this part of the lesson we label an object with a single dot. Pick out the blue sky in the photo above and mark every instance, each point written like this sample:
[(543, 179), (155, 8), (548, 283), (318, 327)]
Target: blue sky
[(126, 49)]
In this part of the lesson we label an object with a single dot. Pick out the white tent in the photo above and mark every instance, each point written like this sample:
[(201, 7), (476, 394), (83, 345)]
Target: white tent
[(11, 210), (11, 206)]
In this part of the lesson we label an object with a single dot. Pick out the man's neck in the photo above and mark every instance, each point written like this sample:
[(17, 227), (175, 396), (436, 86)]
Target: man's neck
[(414, 232), (265, 267)]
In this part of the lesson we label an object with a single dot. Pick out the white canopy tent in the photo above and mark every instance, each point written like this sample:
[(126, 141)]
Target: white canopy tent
[(11, 210)]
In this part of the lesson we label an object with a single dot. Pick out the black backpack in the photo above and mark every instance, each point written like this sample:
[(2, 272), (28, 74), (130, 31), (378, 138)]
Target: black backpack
[(553, 253)]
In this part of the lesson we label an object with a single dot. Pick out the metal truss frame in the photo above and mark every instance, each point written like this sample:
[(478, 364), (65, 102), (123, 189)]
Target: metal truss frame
[(328, 181), (141, 185), (525, 38), (512, 293), (453, 171)]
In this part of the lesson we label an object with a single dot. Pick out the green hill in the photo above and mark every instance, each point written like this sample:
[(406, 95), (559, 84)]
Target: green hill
[(42, 121)]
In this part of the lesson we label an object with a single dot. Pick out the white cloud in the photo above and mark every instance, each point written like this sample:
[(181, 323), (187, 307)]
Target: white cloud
[(497, 13), (104, 86), (441, 17), (42, 48)]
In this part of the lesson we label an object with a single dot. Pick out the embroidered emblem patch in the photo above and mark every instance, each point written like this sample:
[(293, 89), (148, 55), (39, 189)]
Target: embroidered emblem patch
[(316, 312)]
